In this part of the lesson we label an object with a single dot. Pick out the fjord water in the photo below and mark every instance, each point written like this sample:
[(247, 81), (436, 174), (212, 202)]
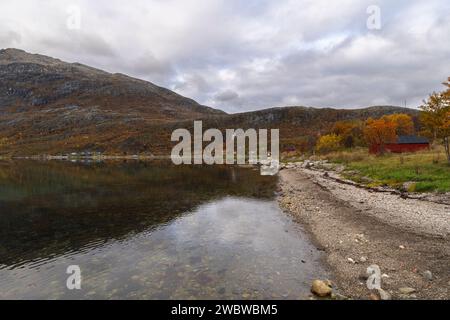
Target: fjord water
[(148, 231)]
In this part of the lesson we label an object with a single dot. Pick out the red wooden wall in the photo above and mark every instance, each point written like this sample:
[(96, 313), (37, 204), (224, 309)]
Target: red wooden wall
[(400, 148)]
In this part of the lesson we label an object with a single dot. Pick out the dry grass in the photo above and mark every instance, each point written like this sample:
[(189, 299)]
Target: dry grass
[(424, 171)]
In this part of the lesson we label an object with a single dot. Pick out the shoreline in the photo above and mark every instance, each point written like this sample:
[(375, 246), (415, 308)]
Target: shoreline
[(407, 238), (84, 158)]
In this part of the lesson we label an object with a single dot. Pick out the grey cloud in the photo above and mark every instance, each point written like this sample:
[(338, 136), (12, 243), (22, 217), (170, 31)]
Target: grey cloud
[(273, 53), (147, 66), (9, 38), (81, 43), (227, 95)]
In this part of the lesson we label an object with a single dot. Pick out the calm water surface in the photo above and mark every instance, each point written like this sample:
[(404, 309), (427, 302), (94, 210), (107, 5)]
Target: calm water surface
[(148, 231)]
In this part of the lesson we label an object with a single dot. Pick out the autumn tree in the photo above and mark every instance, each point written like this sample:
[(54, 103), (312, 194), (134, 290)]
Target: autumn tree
[(3, 141), (447, 92), (342, 128), (403, 122), (328, 143), (435, 117), (380, 132), (349, 131), (447, 121)]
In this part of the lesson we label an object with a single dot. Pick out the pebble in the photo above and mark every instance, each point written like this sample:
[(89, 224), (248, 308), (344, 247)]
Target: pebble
[(363, 259), (350, 260), (374, 296), (384, 295), (321, 288), (363, 276), (337, 296), (135, 278), (428, 275), (407, 290), (402, 247)]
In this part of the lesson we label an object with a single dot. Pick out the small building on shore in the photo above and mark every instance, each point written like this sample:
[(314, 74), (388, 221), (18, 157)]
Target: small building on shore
[(402, 145)]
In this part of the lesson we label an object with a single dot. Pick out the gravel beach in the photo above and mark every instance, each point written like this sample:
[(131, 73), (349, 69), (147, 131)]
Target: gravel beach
[(408, 239)]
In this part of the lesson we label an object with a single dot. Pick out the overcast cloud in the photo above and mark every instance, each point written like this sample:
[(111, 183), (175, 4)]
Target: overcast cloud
[(247, 55)]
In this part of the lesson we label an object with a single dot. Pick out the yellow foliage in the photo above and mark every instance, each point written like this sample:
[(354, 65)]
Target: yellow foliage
[(435, 117), (403, 122), (3, 141), (328, 143)]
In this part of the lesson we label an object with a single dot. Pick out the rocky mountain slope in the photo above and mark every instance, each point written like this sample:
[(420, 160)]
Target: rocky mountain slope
[(48, 106), (31, 82)]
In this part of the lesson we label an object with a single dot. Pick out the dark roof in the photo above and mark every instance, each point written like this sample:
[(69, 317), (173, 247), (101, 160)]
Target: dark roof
[(411, 139)]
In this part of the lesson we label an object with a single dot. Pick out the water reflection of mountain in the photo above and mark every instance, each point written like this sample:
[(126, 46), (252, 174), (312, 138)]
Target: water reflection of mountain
[(50, 208)]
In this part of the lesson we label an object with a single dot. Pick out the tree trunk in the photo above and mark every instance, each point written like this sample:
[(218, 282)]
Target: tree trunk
[(447, 147), (382, 150)]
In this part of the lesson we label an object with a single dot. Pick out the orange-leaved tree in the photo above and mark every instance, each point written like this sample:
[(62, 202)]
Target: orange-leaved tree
[(349, 131), (403, 122), (435, 117), (380, 132)]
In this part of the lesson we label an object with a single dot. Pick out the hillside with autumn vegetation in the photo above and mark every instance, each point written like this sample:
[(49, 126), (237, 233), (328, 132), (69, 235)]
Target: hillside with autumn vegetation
[(48, 106)]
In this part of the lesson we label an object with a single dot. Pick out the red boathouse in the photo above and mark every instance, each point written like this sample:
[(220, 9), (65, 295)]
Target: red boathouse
[(403, 144)]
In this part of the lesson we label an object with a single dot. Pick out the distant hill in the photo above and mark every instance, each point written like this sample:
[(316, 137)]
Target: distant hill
[(48, 106), (317, 117), (301, 126)]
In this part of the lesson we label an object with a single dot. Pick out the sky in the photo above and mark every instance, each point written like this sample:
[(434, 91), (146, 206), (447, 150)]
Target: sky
[(250, 54)]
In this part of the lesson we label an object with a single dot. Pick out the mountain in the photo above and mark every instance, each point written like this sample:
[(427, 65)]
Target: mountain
[(31, 82), (48, 106)]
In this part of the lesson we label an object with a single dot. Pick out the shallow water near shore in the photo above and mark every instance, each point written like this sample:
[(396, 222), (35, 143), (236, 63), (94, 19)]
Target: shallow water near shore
[(148, 230)]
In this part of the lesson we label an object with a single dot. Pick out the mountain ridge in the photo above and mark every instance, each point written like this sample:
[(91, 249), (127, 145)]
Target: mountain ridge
[(48, 106), (65, 80)]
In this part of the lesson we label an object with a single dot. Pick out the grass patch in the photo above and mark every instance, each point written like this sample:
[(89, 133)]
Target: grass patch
[(426, 171)]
